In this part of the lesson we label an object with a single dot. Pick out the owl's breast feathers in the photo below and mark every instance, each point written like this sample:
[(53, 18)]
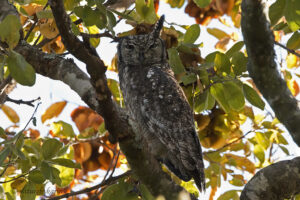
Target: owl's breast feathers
[(158, 103)]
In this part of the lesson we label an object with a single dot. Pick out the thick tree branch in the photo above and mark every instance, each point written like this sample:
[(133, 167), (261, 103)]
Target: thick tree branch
[(95, 93), (276, 182), (262, 68)]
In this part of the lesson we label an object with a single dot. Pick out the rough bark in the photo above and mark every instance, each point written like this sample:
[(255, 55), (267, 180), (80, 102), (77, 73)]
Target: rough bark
[(263, 69), (280, 180), (276, 182), (95, 93)]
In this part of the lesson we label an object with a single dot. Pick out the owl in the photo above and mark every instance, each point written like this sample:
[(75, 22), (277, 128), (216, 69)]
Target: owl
[(157, 104)]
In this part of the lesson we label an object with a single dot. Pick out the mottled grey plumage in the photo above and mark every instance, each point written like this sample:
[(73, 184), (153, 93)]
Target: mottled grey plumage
[(158, 105)]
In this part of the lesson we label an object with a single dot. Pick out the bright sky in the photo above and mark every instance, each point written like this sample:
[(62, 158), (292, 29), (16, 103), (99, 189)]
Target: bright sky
[(53, 91)]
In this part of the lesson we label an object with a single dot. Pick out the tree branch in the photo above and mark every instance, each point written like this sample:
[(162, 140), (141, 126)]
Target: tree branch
[(276, 182), (262, 68), (97, 95), (106, 182)]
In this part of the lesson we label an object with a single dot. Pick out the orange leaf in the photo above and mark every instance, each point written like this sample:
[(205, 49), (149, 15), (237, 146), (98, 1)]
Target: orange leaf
[(53, 111), (10, 113), (85, 117), (82, 151), (213, 192), (33, 133), (242, 163)]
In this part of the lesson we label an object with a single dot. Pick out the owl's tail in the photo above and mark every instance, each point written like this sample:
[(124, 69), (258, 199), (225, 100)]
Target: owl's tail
[(198, 176)]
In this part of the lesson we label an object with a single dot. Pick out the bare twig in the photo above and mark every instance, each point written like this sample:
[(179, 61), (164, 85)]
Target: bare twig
[(228, 144), (98, 35), (289, 50), (86, 190), (45, 41), (20, 101), (32, 116)]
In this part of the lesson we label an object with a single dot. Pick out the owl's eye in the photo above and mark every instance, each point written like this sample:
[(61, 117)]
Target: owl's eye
[(129, 46)]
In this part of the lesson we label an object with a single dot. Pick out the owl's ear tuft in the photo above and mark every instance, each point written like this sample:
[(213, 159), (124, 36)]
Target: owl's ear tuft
[(158, 26)]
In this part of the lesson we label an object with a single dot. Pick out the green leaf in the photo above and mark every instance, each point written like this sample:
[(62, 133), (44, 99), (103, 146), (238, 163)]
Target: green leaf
[(259, 153), (28, 192), (175, 62), (276, 11), (252, 96), (222, 63), (234, 95), (285, 150), (239, 61), (20, 69), (36, 176), (63, 150), (292, 14), (10, 28), (71, 4), (50, 173), (44, 14), (2, 133), (294, 41), (229, 195), (262, 140), (145, 192), (146, 10), (66, 175), (189, 78), (50, 148), (217, 91), (202, 3), (62, 129), (121, 190), (235, 48), (66, 163), (204, 101), (111, 19), (192, 34), (3, 154)]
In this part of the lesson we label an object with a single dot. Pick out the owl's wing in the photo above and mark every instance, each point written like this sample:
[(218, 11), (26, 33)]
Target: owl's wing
[(168, 115)]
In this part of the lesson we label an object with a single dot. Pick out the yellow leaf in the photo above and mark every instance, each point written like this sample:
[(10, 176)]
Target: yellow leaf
[(217, 33), (19, 184), (221, 44), (291, 61), (54, 110), (49, 29), (10, 113)]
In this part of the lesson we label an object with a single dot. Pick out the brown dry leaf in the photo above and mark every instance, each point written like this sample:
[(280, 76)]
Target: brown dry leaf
[(242, 162), (33, 133), (82, 151), (19, 184), (10, 113), (85, 117), (224, 6), (48, 29), (113, 65), (221, 44), (53, 111), (104, 159), (55, 46), (32, 8)]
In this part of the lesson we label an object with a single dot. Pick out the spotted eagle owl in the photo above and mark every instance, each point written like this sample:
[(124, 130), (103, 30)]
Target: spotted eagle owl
[(157, 103)]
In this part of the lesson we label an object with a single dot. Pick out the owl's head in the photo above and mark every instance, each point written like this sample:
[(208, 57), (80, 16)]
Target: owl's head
[(144, 49)]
